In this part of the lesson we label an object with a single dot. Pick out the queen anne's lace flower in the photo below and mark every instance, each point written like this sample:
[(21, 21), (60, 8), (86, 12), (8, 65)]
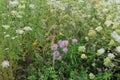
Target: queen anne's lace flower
[(111, 56), (5, 26), (118, 49), (115, 36), (31, 6), (13, 3), (27, 28), (100, 51), (108, 23), (5, 64), (19, 31)]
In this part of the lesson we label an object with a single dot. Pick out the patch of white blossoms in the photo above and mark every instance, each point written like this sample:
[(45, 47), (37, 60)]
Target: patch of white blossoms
[(118, 49), (5, 64), (13, 3), (27, 28), (111, 55), (57, 4), (115, 36), (100, 51), (6, 26), (108, 23), (31, 6), (21, 31)]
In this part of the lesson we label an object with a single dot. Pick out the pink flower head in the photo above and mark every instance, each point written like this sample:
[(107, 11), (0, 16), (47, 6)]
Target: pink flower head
[(74, 40), (95, 59), (56, 54), (106, 69), (54, 47), (63, 43), (65, 50)]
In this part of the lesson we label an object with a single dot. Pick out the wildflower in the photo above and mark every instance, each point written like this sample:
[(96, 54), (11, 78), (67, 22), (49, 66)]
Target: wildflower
[(118, 49), (14, 13), (99, 28), (13, 3), (100, 51), (92, 32), (56, 54), (54, 47), (63, 43), (105, 69), (115, 36), (5, 64), (93, 64), (108, 23), (107, 61), (86, 38), (7, 36), (95, 59), (111, 56), (81, 48), (27, 28), (19, 16), (5, 26), (34, 43), (13, 38), (91, 76), (65, 50), (83, 56), (74, 40), (6, 49), (31, 6), (19, 31)]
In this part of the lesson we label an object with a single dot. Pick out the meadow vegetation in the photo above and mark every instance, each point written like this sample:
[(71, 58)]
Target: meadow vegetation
[(59, 40)]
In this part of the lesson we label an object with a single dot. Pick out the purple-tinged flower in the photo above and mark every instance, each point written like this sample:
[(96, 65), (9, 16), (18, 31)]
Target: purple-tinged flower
[(65, 50), (56, 54), (54, 47), (106, 69), (95, 59), (74, 40), (63, 43)]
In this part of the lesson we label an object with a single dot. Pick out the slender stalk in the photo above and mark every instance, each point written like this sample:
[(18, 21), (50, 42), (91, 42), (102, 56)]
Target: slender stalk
[(8, 5), (53, 61)]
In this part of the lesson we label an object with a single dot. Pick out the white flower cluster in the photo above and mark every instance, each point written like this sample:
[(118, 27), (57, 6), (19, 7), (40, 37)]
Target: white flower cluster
[(21, 31), (115, 36), (118, 49), (111, 55), (17, 14), (100, 51), (57, 4), (13, 3), (5, 64), (6, 26), (31, 6)]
